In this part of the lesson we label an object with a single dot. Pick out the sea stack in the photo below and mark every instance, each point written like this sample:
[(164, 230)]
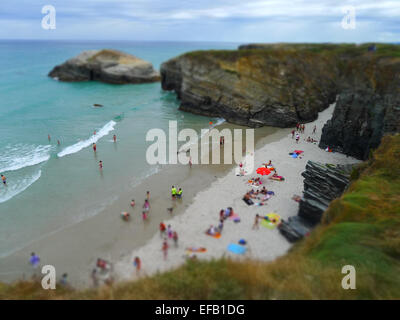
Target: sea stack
[(106, 65)]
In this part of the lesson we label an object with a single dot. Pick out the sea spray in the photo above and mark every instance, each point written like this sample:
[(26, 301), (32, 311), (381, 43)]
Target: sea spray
[(18, 186), (87, 143), (19, 156)]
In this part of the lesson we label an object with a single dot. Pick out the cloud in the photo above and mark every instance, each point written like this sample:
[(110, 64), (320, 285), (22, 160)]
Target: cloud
[(217, 20)]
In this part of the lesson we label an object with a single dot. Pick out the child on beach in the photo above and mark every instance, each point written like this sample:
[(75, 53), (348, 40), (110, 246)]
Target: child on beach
[(165, 249), (137, 264), (115, 138), (133, 203), (169, 231), (94, 147), (297, 138), (146, 205), (256, 224), (175, 238), (148, 195), (162, 228), (101, 165), (125, 216), (34, 260), (179, 193)]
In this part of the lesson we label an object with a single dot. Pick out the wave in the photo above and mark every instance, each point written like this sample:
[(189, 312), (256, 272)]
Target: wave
[(86, 143), (23, 155), (18, 186)]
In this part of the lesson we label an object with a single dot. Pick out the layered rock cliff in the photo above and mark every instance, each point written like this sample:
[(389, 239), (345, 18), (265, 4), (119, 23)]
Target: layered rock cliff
[(322, 184), (282, 84), (110, 66)]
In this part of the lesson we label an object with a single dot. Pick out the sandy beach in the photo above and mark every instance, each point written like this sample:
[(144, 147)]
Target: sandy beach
[(262, 244)]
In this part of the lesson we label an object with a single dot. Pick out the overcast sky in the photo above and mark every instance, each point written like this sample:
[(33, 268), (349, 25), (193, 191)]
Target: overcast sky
[(203, 20)]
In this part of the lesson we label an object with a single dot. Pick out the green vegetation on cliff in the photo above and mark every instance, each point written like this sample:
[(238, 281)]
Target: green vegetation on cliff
[(362, 228)]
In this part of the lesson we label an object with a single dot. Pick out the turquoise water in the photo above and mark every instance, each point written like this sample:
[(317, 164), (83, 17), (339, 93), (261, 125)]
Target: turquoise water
[(50, 186)]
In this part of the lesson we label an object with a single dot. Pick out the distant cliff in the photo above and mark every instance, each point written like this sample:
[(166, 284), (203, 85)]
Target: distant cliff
[(110, 66), (282, 84)]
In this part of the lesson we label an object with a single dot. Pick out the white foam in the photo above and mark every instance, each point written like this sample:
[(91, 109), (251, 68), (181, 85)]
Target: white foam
[(87, 143), (22, 155), (16, 187)]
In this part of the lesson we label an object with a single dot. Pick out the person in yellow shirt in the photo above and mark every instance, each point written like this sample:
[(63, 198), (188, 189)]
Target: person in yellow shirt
[(179, 193), (173, 192)]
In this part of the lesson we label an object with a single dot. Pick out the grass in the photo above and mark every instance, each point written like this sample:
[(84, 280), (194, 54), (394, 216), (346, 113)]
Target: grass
[(362, 228)]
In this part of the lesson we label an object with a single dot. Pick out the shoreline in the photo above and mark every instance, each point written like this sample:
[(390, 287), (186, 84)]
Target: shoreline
[(263, 244), (74, 248)]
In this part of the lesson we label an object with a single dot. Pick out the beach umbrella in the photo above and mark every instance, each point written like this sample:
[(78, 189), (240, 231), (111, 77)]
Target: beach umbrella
[(263, 171)]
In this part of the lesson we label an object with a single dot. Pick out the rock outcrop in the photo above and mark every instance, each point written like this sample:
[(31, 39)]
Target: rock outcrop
[(368, 106), (109, 66), (253, 87), (322, 184), (283, 84)]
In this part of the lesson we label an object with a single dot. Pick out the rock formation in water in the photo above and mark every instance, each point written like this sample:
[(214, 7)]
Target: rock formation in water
[(282, 84), (322, 184), (110, 66)]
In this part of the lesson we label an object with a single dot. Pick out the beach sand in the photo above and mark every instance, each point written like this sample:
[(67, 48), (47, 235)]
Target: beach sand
[(263, 244)]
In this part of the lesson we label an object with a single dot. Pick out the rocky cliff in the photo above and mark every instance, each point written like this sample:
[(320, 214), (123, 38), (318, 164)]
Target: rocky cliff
[(282, 84), (107, 66), (322, 184)]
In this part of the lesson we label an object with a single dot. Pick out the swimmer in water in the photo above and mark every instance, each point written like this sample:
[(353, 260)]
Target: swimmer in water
[(115, 138), (4, 179), (94, 147), (101, 165), (58, 142), (48, 137)]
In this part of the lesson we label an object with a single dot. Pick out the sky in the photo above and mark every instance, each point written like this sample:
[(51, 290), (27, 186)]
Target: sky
[(242, 21)]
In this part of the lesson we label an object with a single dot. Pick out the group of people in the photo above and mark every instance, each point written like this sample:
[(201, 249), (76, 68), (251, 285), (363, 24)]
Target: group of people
[(166, 233), (176, 193), (300, 127)]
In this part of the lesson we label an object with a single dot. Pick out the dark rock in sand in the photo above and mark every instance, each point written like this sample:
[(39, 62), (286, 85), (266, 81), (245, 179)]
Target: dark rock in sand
[(110, 66)]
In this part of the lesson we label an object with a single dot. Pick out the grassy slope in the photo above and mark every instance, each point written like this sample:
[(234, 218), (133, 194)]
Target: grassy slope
[(362, 228)]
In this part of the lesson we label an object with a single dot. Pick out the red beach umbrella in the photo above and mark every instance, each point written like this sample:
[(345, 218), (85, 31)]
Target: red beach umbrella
[(263, 171)]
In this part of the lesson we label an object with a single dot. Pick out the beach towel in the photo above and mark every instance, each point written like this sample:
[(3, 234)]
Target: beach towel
[(298, 151), (249, 202), (271, 220), (194, 249), (294, 155), (271, 193), (216, 235), (236, 248)]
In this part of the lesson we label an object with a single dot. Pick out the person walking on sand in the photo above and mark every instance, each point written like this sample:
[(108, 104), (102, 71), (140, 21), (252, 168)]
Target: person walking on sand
[(165, 249), (314, 129), (179, 193), (169, 232), (297, 138), (4, 179), (148, 195), (146, 206), (137, 264), (115, 138), (175, 238), (256, 220), (190, 162), (292, 133), (34, 260), (101, 165), (162, 229), (133, 203), (94, 147)]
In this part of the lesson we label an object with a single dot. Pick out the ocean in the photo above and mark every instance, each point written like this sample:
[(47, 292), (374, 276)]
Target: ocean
[(51, 186)]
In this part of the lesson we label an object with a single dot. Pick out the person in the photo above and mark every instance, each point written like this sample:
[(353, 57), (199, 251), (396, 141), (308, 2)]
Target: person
[(165, 249), (314, 129), (115, 138), (137, 264), (211, 231), (125, 216), (175, 238), (102, 264), (48, 137), (146, 206), (179, 193), (297, 138), (162, 228), (58, 142), (133, 203), (297, 126), (169, 232), (173, 192), (303, 128), (94, 133), (4, 179), (148, 195), (63, 280), (256, 225), (101, 165), (292, 133), (190, 162), (222, 214), (34, 260), (221, 225), (94, 147)]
